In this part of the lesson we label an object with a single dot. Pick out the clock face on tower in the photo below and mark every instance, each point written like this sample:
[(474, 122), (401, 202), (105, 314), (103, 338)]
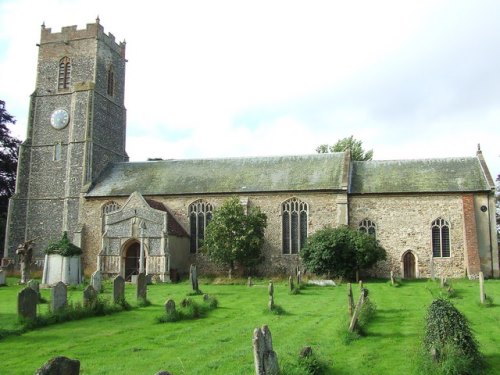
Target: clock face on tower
[(59, 119)]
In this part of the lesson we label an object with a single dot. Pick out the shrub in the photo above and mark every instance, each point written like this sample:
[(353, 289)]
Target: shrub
[(449, 340), (189, 309)]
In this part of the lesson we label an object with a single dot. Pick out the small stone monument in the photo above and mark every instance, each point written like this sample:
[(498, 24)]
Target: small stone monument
[(299, 278), (193, 277), (60, 365), (392, 277), (265, 359), (142, 286), (96, 281), (482, 296), (360, 284), (27, 300), (290, 284), (271, 295), (170, 306), (59, 296), (35, 285), (89, 296), (249, 282), (3, 277), (118, 289)]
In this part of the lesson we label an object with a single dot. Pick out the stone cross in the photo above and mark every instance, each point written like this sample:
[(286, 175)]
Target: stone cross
[(59, 296), (89, 296), (290, 283), (265, 359), (25, 253), (193, 277), (350, 299), (170, 306), (2, 277), (271, 295), (142, 287), (27, 300), (481, 288), (118, 289), (60, 365), (357, 310), (96, 281)]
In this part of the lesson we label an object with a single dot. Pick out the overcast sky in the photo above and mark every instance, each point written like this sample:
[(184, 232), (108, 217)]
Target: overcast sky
[(410, 79)]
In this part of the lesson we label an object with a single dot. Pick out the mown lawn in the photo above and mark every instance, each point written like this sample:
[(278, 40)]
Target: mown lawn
[(132, 342)]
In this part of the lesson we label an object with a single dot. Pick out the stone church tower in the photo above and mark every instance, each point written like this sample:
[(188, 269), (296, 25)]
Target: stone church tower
[(76, 126)]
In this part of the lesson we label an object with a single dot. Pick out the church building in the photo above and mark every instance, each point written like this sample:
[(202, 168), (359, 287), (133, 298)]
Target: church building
[(434, 217)]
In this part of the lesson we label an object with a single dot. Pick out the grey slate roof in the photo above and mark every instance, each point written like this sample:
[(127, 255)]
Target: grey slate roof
[(225, 175), (418, 176)]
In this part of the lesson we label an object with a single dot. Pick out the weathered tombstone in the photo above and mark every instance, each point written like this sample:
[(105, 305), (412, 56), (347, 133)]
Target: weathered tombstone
[(206, 297), (442, 281), (142, 286), (60, 366), (299, 278), (149, 279), (25, 253), (271, 295), (27, 300), (59, 296), (350, 299), (360, 284), (2, 277), (170, 306), (96, 281), (481, 287), (265, 359), (89, 296), (193, 277), (249, 282), (392, 277), (357, 310), (35, 285), (118, 289), (290, 283)]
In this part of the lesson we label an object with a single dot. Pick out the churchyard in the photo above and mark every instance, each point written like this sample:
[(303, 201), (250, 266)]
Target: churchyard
[(134, 342)]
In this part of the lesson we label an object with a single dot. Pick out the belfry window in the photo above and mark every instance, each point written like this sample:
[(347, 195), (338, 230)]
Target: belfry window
[(440, 238), (200, 214), (368, 227), (294, 215), (64, 73), (111, 81), (107, 209)]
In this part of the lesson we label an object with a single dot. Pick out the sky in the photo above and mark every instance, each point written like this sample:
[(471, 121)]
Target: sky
[(209, 79)]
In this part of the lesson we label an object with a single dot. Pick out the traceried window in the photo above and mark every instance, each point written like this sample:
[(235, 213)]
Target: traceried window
[(440, 238), (200, 214), (368, 227), (106, 209), (111, 81), (294, 214), (64, 73)]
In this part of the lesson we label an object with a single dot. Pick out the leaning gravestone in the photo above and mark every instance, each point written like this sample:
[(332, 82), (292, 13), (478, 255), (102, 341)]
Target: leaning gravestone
[(59, 296), (142, 288), (26, 303), (35, 285), (2, 277), (89, 296), (60, 366), (118, 289), (271, 295), (265, 359), (290, 283), (170, 306), (96, 281)]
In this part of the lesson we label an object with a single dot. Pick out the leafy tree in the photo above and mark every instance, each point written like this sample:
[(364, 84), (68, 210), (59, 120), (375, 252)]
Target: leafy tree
[(341, 251), (9, 146), (348, 143), (233, 237)]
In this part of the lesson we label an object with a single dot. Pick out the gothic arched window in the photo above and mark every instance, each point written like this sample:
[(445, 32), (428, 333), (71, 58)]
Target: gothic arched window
[(440, 238), (106, 209), (294, 215), (64, 73), (111, 81), (367, 226), (200, 214)]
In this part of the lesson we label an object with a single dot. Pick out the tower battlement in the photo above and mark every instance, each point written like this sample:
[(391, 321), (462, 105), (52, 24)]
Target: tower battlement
[(72, 33)]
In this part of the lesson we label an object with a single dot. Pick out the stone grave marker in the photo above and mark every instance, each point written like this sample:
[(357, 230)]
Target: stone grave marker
[(392, 277), (350, 299), (193, 277), (35, 285), (3, 277), (59, 296), (89, 296), (118, 289), (170, 306), (142, 286), (265, 358), (482, 296), (271, 295), (27, 300), (96, 281), (299, 278), (60, 365), (290, 283), (249, 282)]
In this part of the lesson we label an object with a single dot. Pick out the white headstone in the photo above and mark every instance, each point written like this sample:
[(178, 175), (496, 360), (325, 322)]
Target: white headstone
[(96, 281), (2, 277)]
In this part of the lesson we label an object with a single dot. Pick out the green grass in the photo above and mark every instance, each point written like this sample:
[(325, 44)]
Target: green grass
[(132, 342)]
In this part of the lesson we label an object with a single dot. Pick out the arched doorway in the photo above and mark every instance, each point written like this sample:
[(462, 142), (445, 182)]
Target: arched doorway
[(132, 256), (409, 265)]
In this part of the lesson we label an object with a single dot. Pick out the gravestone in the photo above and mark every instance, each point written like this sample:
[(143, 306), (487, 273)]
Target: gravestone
[(35, 285), (350, 299), (96, 281), (206, 297), (89, 296), (265, 359), (3, 277), (142, 286), (249, 282), (481, 288), (290, 283), (59, 296), (392, 277), (193, 277), (163, 372), (170, 306), (271, 295), (60, 366), (118, 289), (299, 278), (360, 284), (27, 300)]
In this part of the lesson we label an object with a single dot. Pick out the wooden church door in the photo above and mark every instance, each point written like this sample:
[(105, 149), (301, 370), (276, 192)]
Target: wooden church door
[(132, 256), (409, 265)]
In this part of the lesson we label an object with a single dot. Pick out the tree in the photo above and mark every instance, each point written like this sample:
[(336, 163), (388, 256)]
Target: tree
[(341, 251), (233, 237), (348, 143), (9, 146)]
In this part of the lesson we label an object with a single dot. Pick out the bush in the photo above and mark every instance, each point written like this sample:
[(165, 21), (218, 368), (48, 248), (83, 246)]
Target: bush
[(189, 309), (449, 341)]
